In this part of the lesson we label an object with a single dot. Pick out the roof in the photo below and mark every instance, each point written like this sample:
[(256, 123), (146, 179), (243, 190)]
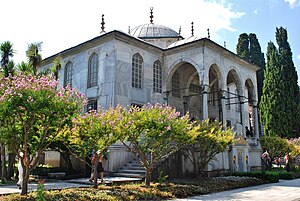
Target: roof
[(154, 31)]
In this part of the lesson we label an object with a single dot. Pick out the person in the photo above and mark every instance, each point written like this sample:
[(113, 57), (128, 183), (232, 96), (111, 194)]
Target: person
[(100, 169), (20, 170), (287, 165), (248, 133)]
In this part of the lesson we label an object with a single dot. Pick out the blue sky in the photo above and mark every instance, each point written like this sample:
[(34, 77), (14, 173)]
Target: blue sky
[(61, 24)]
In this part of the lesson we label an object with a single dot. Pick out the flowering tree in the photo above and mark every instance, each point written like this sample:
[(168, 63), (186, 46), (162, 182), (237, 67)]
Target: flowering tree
[(94, 131), (154, 132), (209, 140), (32, 113)]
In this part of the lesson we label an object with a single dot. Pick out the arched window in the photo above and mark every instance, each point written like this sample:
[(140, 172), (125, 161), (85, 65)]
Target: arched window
[(176, 85), (157, 77), (93, 70), (137, 70), (68, 74)]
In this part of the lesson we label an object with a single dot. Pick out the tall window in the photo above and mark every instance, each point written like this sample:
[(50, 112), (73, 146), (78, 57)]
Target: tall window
[(176, 85), (93, 70), (92, 105), (68, 74), (157, 77), (137, 69)]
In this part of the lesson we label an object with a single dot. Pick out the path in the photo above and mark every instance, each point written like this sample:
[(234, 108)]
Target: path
[(285, 190)]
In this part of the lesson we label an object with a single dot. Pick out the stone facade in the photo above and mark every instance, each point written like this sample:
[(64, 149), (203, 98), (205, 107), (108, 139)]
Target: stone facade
[(197, 76)]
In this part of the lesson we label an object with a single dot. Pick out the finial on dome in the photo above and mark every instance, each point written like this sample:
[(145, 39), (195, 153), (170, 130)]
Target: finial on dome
[(151, 15), (208, 34), (192, 28), (179, 32), (224, 44), (102, 25), (129, 30)]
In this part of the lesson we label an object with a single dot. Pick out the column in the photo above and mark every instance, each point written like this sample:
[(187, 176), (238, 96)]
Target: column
[(223, 107), (186, 101), (255, 116), (242, 114), (204, 103)]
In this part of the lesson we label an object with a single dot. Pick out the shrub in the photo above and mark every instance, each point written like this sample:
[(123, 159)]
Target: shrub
[(268, 176)]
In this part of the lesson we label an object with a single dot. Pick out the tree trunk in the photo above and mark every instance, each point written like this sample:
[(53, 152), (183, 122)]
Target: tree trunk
[(66, 157), (3, 162), (147, 177), (95, 164), (11, 163), (25, 181)]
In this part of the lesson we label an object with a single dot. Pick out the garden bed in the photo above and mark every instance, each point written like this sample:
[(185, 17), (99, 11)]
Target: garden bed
[(136, 191)]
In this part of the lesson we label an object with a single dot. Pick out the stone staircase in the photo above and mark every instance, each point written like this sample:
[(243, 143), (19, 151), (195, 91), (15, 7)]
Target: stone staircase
[(132, 169)]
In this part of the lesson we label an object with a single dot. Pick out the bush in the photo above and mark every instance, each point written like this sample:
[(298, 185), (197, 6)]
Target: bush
[(268, 176), (43, 170)]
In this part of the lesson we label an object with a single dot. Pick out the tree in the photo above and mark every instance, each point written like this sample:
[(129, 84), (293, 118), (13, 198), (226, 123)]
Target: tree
[(276, 146), (94, 131), (154, 132), (249, 49), (33, 112), (257, 58), (280, 99), (56, 66), (242, 48), (7, 51), (24, 68), (290, 87), (33, 55), (208, 141)]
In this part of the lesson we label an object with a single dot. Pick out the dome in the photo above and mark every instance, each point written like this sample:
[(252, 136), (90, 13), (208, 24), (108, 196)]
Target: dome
[(148, 31)]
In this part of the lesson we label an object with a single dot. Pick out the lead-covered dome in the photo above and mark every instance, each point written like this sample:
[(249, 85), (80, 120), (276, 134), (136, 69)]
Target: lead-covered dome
[(150, 31)]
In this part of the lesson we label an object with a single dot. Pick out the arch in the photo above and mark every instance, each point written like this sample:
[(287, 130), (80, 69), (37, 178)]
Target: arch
[(157, 76), (68, 74), (233, 76), (180, 62), (214, 67), (93, 67), (249, 85), (137, 71)]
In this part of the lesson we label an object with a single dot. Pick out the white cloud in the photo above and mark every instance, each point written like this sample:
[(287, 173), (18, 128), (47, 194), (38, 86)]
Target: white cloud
[(63, 24), (298, 57), (293, 3), (255, 12)]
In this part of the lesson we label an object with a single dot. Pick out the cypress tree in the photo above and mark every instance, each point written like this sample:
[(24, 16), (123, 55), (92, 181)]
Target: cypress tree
[(249, 49), (242, 48), (271, 98), (257, 58), (280, 98), (290, 84)]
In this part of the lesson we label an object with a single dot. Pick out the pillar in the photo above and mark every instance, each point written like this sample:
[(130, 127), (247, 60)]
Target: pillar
[(223, 107), (204, 103), (255, 116)]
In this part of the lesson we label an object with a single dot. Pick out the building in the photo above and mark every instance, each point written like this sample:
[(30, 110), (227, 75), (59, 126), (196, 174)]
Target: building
[(155, 64)]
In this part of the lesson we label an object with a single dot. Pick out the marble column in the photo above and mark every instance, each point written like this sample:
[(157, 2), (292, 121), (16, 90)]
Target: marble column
[(242, 115), (255, 116), (223, 107), (204, 103)]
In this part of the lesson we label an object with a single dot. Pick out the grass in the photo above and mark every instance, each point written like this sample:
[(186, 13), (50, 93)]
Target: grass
[(136, 191)]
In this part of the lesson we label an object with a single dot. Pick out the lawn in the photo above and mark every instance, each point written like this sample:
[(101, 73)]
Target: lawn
[(136, 191)]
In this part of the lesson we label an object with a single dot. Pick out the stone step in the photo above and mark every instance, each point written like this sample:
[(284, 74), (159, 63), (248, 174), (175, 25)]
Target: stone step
[(132, 168), (132, 171), (130, 175)]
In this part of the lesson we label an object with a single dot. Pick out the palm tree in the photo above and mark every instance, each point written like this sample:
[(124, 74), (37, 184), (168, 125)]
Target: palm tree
[(33, 55), (56, 66), (6, 50), (24, 68)]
